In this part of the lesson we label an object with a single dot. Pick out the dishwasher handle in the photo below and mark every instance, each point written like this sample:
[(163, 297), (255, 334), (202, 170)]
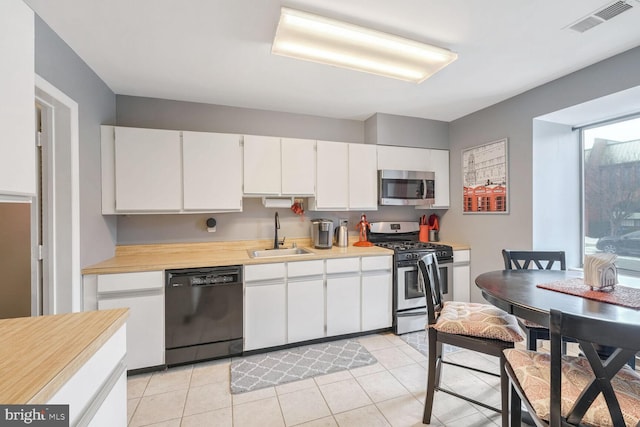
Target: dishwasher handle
[(198, 278)]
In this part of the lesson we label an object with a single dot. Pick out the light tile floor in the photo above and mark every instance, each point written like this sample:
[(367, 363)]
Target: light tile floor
[(388, 393)]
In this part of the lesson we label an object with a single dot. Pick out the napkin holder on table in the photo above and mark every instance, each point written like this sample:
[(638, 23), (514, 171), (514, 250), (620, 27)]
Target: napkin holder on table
[(600, 272)]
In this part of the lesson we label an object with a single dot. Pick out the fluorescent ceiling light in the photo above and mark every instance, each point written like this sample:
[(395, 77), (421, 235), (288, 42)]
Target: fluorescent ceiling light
[(303, 35)]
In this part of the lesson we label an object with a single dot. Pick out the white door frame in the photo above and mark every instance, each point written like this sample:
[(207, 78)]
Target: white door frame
[(65, 288)]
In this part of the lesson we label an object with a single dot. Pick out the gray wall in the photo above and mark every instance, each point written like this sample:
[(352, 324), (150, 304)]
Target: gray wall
[(389, 129), (60, 66), (513, 119), (166, 114)]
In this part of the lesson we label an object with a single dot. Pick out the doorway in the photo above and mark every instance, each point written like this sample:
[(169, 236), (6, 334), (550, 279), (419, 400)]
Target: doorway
[(56, 279)]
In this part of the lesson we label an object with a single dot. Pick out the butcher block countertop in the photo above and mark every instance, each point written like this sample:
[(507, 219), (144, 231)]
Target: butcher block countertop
[(38, 355), (133, 258)]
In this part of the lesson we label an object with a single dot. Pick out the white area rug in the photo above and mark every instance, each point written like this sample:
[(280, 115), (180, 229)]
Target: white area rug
[(283, 366)]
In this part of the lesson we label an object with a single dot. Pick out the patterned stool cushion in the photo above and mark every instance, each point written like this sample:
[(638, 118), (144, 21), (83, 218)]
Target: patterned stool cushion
[(533, 372), (478, 320)]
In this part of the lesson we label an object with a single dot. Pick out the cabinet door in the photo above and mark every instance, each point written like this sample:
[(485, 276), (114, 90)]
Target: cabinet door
[(402, 158), (261, 165), (305, 308), (17, 121), (265, 310), (376, 300), (145, 326), (363, 176), (461, 276), (142, 294), (212, 171), (298, 166), (332, 175), (343, 305), (148, 170), (439, 163)]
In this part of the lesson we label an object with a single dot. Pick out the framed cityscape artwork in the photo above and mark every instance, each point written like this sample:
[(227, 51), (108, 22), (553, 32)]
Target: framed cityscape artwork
[(485, 178)]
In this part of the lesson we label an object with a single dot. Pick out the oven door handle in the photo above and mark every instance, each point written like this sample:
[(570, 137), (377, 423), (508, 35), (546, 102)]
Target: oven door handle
[(411, 314)]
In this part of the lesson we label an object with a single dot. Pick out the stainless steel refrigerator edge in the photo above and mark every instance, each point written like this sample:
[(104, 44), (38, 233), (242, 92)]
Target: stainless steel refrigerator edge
[(15, 260)]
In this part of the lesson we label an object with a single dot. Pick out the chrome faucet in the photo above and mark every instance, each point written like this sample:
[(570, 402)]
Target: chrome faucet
[(276, 243)]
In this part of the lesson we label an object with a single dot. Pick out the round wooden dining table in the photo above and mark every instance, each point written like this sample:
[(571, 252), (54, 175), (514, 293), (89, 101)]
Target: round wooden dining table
[(515, 292)]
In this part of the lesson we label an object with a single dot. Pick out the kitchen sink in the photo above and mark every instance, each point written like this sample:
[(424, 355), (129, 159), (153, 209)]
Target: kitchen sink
[(269, 253)]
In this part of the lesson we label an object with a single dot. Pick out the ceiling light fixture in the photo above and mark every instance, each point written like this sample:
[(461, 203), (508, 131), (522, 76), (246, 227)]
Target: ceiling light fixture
[(310, 37)]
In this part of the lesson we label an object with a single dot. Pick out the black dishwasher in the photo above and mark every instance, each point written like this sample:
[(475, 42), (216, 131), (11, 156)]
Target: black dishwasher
[(203, 313)]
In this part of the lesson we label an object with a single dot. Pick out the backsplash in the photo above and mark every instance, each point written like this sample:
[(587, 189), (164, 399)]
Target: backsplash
[(255, 222)]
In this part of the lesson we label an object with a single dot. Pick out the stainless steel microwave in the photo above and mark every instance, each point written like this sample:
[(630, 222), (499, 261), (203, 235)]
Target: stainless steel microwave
[(406, 187)]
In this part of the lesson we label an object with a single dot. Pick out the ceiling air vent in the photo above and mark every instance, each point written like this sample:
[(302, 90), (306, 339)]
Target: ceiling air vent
[(599, 16)]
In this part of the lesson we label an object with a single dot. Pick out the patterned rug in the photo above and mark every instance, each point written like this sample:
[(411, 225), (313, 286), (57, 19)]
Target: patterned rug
[(418, 340), (283, 366)]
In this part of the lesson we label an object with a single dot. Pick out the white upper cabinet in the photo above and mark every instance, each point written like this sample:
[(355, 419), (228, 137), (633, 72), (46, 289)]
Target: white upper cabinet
[(262, 165), (17, 116), (363, 175), (164, 171), (346, 177), (403, 158), (279, 167), (212, 171), (148, 170), (332, 176), (439, 164), (298, 167)]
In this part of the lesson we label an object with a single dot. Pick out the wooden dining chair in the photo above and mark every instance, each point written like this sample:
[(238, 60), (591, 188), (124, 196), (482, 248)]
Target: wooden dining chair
[(478, 327), (542, 260), (560, 390)]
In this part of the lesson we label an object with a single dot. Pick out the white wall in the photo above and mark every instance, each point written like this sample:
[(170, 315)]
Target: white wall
[(557, 189)]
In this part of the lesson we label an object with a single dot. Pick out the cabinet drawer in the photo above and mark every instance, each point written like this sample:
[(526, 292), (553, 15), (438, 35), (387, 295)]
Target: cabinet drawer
[(253, 273), (461, 256), (343, 265), (376, 263), (305, 268), (123, 282)]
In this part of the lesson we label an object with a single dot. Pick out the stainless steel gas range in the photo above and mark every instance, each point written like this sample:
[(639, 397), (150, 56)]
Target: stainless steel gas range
[(409, 303)]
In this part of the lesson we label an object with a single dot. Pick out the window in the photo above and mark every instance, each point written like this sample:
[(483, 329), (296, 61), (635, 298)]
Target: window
[(611, 188)]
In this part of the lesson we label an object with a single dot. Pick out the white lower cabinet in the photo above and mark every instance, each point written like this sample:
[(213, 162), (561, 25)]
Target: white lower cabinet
[(343, 304), (299, 301), (97, 392), (376, 301), (462, 276), (265, 316), (305, 300), (143, 294), (305, 310), (377, 292), (264, 306)]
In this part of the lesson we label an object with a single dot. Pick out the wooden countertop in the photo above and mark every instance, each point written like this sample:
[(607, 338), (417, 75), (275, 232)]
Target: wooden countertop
[(38, 355), (132, 258)]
